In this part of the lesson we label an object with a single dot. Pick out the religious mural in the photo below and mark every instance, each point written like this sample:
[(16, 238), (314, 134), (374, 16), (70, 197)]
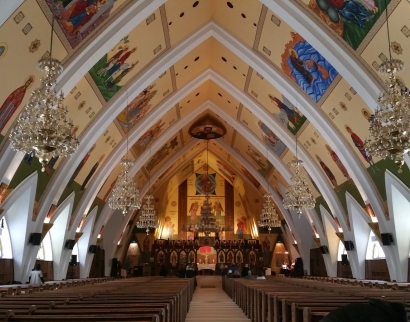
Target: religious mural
[(198, 188), (350, 19), (250, 177), (288, 114), (79, 18), (137, 108), (307, 67), (110, 70), (262, 164), (271, 140), (161, 154), (226, 170), (148, 137), (13, 101)]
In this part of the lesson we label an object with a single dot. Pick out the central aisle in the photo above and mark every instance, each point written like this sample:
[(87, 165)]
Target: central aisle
[(210, 303)]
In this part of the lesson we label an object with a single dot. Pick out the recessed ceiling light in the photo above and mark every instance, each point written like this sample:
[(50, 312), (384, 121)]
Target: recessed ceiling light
[(243, 15), (196, 58), (195, 4), (182, 14), (224, 59), (230, 5), (170, 23)]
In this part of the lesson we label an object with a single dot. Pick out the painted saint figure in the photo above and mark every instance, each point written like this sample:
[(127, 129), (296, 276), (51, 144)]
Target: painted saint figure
[(79, 14), (193, 210), (80, 166), (339, 163), (92, 171), (12, 102), (329, 173), (360, 146)]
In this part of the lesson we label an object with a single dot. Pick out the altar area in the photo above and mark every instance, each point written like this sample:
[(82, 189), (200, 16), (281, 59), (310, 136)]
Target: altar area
[(206, 266)]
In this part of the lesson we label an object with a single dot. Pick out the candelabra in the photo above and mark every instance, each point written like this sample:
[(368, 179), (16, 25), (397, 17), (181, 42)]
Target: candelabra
[(269, 217), (148, 218)]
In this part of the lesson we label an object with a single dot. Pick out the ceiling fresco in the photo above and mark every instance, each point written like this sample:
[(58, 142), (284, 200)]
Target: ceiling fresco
[(199, 79)]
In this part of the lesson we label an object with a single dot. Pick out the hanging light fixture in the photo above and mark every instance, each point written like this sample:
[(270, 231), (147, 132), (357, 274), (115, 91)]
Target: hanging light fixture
[(148, 218), (125, 195), (269, 217), (390, 125), (298, 196), (42, 126), (207, 223)]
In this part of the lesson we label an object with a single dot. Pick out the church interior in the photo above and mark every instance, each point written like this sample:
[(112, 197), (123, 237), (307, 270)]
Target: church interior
[(143, 136)]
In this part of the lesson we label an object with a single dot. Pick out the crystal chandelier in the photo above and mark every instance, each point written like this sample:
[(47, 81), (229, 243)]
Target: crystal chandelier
[(390, 125), (269, 217), (207, 222), (298, 196), (125, 194), (148, 218), (42, 126)]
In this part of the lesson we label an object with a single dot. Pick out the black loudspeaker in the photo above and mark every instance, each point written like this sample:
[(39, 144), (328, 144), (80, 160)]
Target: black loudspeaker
[(35, 239), (92, 249), (324, 249), (349, 245), (345, 261), (73, 260), (69, 244), (387, 239)]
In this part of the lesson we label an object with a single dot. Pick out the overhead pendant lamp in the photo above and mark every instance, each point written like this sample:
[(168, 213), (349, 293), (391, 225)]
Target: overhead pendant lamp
[(390, 124), (42, 126), (298, 196), (148, 218), (125, 195)]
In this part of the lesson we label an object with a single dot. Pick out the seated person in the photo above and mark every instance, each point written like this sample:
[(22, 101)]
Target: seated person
[(225, 270), (230, 275), (374, 311), (249, 276), (236, 274), (163, 272), (245, 271), (261, 276)]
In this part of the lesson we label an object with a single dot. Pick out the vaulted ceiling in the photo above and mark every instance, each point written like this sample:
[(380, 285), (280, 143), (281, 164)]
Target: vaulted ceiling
[(271, 71)]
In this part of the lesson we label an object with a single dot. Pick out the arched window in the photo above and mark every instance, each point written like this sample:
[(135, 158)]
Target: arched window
[(75, 252), (341, 251), (374, 248), (5, 243), (45, 251)]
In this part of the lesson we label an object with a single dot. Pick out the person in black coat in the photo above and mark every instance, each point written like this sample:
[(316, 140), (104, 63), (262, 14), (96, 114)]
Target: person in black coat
[(374, 311)]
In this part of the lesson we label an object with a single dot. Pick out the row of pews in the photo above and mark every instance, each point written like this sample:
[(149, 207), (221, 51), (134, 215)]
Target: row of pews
[(281, 299), (152, 299)]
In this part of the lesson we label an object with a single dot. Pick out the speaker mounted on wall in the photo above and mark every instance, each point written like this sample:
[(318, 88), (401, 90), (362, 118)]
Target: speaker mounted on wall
[(69, 244), (35, 239), (324, 249), (92, 249), (387, 239), (349, 245)]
